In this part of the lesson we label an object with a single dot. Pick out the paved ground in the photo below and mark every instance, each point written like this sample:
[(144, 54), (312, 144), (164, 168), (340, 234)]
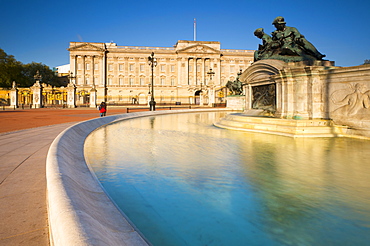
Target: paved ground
[(12, 120), (25, 137)]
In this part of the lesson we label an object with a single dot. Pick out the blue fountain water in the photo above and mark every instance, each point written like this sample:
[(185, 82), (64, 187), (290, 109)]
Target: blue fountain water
[(182, 181)]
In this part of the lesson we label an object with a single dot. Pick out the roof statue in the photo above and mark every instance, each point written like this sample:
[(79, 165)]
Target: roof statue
[(285, 43)]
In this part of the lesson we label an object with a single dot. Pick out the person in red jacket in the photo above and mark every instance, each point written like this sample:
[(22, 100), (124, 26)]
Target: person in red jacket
[(103, 109)]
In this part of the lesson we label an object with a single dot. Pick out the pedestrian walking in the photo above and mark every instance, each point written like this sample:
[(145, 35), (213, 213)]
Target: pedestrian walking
[(102, 109)]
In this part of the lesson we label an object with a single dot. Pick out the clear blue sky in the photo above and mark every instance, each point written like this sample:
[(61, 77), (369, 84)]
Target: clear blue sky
[(40, 30)]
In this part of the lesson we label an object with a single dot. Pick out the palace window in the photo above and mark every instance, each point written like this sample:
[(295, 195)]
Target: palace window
[(163, 68), (120, 67), (172, 68), (96, 66), (120, 81), (131, 67), (110, 67), (142, 67), (142, 81), (87, 66)]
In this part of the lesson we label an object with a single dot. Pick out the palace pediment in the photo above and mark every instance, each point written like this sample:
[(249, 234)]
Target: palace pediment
[(204, 49), (86, 47)]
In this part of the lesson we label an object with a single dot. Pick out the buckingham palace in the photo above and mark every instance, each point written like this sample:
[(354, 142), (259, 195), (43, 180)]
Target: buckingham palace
[(190, 72)]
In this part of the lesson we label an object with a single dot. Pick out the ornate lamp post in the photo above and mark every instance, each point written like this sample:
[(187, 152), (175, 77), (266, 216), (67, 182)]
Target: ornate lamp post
[(210, 74), (71, 78), (153, 63), (211, 90)]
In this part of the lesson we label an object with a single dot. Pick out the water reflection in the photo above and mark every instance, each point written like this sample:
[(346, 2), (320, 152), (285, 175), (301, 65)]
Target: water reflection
[(184, 182)]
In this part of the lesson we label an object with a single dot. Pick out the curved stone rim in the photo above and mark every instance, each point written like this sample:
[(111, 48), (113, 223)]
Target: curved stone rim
[(79, 211)]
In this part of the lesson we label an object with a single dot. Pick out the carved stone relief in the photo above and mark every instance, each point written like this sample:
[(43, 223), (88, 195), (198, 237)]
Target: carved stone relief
[(264, 97), (353, 102)]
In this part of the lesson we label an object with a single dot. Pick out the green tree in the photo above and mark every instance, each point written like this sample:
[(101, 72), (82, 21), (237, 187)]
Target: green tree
[(23, 74), (367, 61), (48, 76), (10, 70)]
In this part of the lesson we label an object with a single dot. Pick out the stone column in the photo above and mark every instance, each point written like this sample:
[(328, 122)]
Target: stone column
[(318, 92), (216, 77), (279, 98), (71, 95), (37, 91), (37, 95), (104, 75), (93, 97), (14, 96), (288, 92), (195, 72), (301, 92), (188, 72), (211, 95), (186, 82), (92, 70), (73, 62), (201, 98), (202, 72), (220, 71), (180, 76), (248, 96), (83, 70), (192, 98)]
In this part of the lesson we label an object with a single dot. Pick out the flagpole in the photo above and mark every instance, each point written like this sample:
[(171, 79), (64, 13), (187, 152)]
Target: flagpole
[(195, 29)]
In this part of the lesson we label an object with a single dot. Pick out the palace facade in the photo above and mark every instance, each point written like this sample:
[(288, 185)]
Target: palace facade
[(190, 72)]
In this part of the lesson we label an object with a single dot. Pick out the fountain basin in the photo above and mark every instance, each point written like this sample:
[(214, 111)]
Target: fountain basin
[(79, 211), (283, 127)]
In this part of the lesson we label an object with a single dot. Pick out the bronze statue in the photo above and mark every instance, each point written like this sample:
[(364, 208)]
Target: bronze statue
[(286, 43), (264, 50), (235, 87)]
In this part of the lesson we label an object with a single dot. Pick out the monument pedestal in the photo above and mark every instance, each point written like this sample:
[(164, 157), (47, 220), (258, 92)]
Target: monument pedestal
[(283, 127), (292, 90), (236, 102), (37, 95), (71, 95), (14, 96), (93, 98), (285, 99), (299, 94)]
